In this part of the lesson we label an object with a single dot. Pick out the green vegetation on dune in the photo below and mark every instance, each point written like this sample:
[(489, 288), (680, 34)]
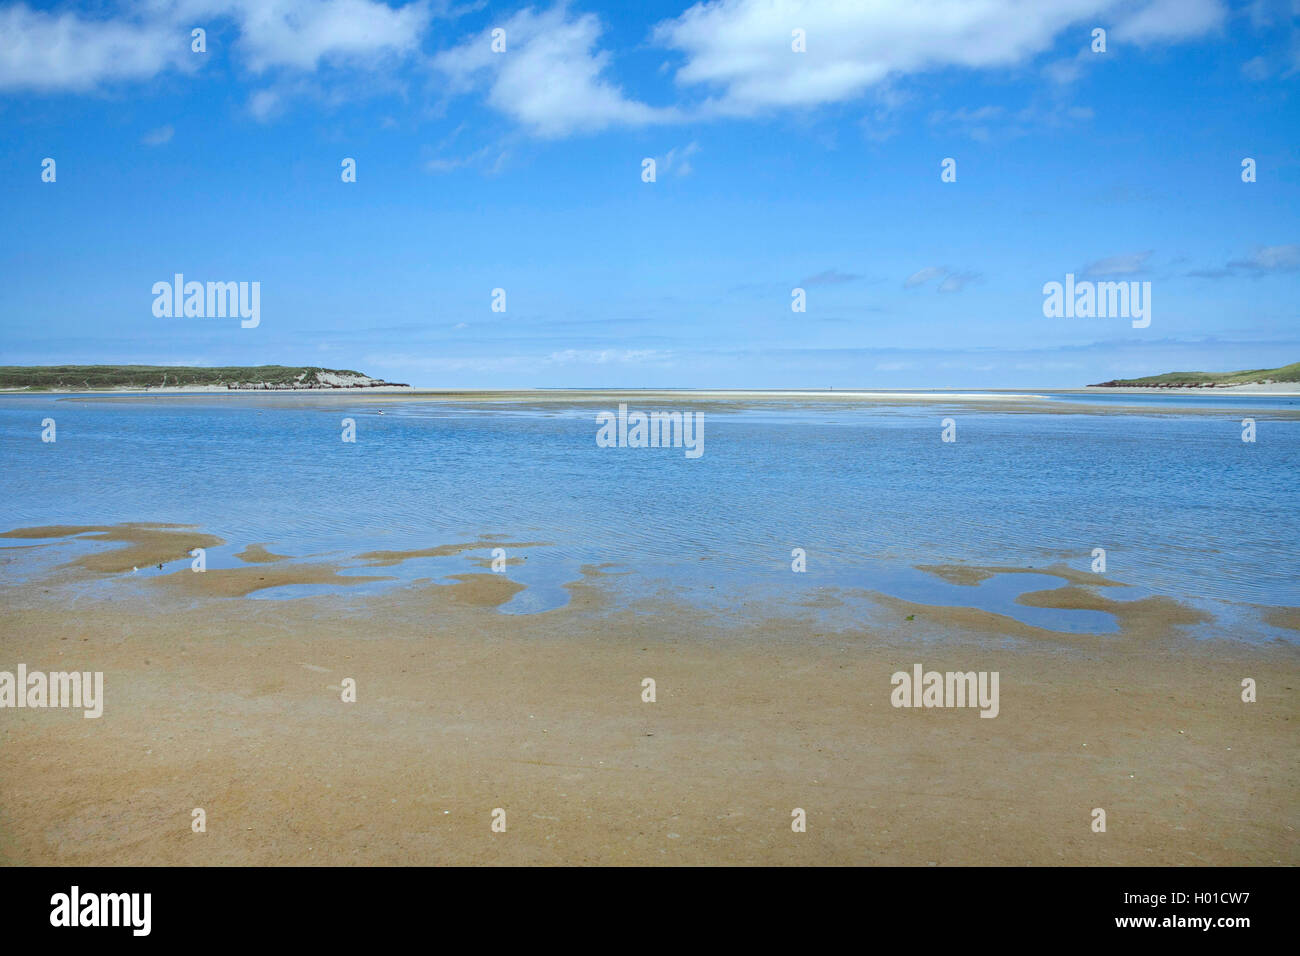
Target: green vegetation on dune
[(90, 377), (1287, 373)]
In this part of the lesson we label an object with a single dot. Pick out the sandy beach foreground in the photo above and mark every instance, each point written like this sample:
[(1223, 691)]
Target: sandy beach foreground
[(235, 706)]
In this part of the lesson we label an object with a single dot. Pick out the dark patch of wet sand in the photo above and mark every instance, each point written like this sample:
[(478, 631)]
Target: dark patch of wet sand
[(1150, 613), (257, 554), (1287, 617), (386, 559), (147, 543), (241, 582), (972, 574)]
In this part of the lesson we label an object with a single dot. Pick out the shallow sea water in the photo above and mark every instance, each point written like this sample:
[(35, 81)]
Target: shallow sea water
[(1182, 506)]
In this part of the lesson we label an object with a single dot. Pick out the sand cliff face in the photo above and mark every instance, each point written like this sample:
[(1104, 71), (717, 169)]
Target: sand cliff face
[(322, 378), (326, 379)]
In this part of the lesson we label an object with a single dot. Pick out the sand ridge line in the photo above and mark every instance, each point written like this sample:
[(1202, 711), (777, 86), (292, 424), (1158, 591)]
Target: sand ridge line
[(972, 574), (257, 554), (384, 559)]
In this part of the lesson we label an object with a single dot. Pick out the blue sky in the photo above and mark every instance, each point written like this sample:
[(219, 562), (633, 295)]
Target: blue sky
[(521, 170)]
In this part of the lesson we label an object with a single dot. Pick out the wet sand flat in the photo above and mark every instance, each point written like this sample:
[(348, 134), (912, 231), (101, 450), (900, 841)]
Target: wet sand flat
[(236, 707), (725, 401)]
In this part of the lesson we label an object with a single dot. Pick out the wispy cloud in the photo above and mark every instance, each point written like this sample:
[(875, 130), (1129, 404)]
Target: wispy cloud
[(490, 160), (523, 364), (159, 136), (1129, 264), (975, 123), (1266, 260), (924, 275), (950, 280), (829, 277), (956, 281), (1166, 20), (986, 123), (677, 161)]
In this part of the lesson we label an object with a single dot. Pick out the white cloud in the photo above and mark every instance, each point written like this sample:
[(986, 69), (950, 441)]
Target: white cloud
[(606, 356), (988, 122), (975, 123), (829, 277), (740, 50), (522, 364), (735, 55), (46, 52), (957, 281), (159, 136), (68, 51), (924, 276), (1270, 259), (949, 281), (301, 33), (677, 161), (1168, 20), (490, 159), (1128, 264), (550, 79), (1256, 68), (264, 104)]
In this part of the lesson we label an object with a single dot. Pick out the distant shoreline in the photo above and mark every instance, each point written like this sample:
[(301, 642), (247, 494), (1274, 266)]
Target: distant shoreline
[(149, 378), (1259, 388), (202, 389), (1285, 376), (1275, 389)]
